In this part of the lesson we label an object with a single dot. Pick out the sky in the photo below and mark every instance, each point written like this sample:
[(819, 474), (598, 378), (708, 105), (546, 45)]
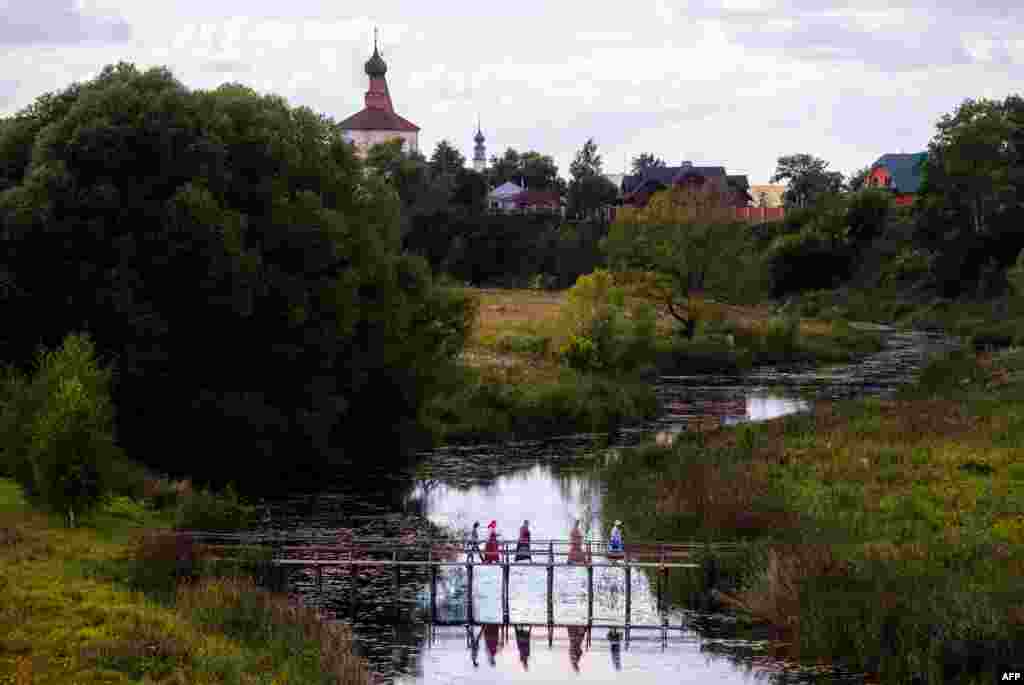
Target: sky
[(735, 83)]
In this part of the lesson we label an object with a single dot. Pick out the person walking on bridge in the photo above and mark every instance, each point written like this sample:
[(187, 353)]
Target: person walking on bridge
[(491, 548), (576, 545), (615, 549), (523, 545), (473, 544)]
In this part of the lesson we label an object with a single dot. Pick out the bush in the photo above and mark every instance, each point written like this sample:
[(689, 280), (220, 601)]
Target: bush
[(207, 510), (807, 260), (70, 431), (601, 333)]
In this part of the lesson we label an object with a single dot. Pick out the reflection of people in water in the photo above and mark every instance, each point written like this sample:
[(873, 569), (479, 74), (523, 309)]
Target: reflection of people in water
[(474, 645), (576, 634), (615, 642), (523, 643), (491, 637)]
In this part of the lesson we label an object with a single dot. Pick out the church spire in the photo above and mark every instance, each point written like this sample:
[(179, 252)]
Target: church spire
[(375, 66), (479, 151)]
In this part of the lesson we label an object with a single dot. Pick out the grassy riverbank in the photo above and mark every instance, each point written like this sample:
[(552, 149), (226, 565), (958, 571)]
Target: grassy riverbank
[(892, 531), (97, 605), (516, 385)]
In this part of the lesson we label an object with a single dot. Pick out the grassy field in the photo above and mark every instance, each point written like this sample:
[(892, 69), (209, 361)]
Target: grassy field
[(521, 328), (890, 532), (72, 613)]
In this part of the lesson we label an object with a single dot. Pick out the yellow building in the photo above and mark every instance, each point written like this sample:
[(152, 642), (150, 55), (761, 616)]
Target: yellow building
[(767, 195)]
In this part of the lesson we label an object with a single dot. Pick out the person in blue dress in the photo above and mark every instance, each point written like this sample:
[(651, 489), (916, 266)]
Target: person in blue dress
[(615, 549)]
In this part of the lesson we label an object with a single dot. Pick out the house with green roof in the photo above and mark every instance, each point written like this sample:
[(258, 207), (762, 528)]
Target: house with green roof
[(900, 173)]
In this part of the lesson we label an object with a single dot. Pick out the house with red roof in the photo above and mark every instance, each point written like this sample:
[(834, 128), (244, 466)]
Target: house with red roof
[(900, 173), (378, 122)]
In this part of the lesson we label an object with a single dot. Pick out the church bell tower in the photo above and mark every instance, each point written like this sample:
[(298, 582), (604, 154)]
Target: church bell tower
[(479, 151)]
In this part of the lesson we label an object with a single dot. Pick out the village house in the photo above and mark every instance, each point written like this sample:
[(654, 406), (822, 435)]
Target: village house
[(900, 173), (378, 122), (636, 190)]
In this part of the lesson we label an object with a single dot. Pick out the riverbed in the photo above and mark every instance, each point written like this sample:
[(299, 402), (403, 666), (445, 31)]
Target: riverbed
[(551, 483)]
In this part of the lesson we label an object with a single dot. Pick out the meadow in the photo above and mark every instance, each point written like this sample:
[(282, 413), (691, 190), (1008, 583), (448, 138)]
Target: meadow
[(101, 604)]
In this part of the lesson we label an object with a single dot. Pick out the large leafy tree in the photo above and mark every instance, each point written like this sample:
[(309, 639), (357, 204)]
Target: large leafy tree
[(537, 171), (971, 201), (446, 159), (646, 160), (683, 245), (808, 178), (589, 190), (232, 258)]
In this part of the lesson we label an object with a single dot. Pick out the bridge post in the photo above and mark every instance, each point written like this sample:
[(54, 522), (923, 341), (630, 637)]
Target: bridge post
[(629, 594), (506, 601), (590, 585), (469, 594), (551, 584), (433, 585)]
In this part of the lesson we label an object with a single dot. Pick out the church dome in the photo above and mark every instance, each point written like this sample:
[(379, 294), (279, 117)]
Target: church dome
[(375, 66), (479, 137)]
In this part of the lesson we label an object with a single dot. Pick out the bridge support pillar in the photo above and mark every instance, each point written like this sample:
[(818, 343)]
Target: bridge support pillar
[(590, 594), (629, 595), (469, 594)]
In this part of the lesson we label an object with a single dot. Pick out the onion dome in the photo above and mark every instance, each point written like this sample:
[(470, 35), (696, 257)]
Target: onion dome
[(375, 66), (479, 137)]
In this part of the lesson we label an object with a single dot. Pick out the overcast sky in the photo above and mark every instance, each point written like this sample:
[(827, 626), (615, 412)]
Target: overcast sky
[(727, 82)]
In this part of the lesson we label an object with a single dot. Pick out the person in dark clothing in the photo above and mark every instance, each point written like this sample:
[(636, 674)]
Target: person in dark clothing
[(523, 546), (473, 544)]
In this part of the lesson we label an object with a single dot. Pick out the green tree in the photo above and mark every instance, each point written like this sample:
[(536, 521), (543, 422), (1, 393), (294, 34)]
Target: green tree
[(646, 160), (72, 449), (587, 161), (971, 202), (446, 159), (683, 245), (858, 179), (808, 178), (589, 191), (232, 255)]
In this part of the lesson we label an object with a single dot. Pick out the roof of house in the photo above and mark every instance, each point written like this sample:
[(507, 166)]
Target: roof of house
[(531, 198), (905, 170), (376, 119), (667, 175), (507, 189)]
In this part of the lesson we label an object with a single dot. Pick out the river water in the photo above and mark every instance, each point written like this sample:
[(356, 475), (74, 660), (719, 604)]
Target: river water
[(551, 483)]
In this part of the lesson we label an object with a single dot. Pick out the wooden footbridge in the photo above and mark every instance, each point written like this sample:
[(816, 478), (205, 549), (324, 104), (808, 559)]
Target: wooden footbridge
[(410, 552)]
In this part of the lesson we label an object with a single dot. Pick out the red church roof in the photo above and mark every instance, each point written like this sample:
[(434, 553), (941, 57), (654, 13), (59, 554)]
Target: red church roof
[(374, 119)]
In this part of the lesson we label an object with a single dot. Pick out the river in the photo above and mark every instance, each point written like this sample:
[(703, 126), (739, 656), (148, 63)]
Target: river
[(551, 483)]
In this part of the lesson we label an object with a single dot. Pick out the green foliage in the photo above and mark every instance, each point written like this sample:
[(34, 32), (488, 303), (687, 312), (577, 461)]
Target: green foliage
[(207, 510), (807, 179), (807, 260), (267, 247), (867, 214), (602, 334), (59, 440)]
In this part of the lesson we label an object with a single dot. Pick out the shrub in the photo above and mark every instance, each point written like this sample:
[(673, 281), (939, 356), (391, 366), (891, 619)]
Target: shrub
[(72, 448), (207, 510)]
